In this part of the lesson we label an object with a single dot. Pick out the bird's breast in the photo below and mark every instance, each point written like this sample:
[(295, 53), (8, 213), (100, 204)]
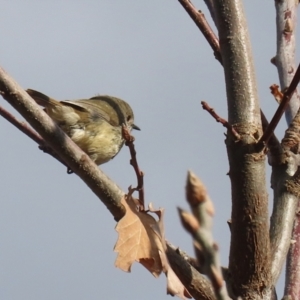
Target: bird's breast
[(100, 141)]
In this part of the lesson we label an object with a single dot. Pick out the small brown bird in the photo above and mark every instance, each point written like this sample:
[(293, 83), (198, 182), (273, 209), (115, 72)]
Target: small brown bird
[(94, 124)]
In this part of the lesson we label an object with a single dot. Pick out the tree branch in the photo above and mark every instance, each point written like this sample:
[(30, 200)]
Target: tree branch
[(286, 19), (225, 123), (22, 126), (292, 279), (282, 218), (129, 139), (274, 146), (200, 21), (197, 285), (287, 200), (249, 228)]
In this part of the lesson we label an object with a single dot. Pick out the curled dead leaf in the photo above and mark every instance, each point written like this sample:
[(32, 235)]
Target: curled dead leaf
[(137, 240)]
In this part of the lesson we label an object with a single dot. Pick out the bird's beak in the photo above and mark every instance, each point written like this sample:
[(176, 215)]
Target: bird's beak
[(135, 127)]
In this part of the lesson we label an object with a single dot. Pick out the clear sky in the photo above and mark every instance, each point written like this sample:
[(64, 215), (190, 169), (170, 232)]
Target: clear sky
[(56, 237)]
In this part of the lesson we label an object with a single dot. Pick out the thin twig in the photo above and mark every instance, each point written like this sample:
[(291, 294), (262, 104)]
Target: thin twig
[(281, 108), (274, 146), (26, 129), (225, 123), (21, 126), (199, 19), (129, 139)]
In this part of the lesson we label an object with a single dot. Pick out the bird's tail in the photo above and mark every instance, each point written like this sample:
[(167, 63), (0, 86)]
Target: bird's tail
[(42, 99)]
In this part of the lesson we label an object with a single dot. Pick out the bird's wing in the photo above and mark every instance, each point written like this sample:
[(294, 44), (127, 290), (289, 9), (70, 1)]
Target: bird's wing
[(92, 108)]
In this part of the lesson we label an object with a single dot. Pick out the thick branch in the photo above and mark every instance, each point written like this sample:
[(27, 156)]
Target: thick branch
[(287, 200), (292, 286), (285, 183), (109, 193), (249, 228), (286, 19), (285, 187), (282, 219), (197, 285)]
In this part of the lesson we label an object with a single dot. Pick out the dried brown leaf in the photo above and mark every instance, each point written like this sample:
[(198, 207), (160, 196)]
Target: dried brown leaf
[(137, 240), (174, 285), (158, 227), (278, 95)]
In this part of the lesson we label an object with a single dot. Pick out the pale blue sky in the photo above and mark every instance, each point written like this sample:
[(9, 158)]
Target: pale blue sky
[(56, 237)]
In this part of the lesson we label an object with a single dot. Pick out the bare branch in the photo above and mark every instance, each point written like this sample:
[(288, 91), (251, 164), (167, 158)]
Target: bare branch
[(129, 139), (285, 184), (107, 191), (274, 146), (212, 112), (22, 126), (282, 219), (292, 287), (191, 260), (249, 228), (287, 210), (286, 19), (200, 21), (197, 285)]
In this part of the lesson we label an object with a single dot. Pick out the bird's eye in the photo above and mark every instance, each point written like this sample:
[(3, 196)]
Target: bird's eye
[(128, 118)]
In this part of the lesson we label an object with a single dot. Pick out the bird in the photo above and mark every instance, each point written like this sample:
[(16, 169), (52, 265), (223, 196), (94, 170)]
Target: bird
[(94, 124)]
